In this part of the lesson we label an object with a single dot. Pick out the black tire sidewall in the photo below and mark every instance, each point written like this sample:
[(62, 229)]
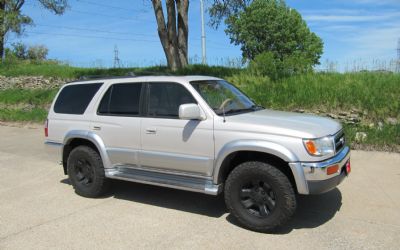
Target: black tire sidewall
[(280, 185), (96, 187)]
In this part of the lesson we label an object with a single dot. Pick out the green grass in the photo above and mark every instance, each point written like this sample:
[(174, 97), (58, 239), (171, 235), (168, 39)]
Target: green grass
[(27, 96), (21, 115), (53, 69), (387, 138), (377, 95)]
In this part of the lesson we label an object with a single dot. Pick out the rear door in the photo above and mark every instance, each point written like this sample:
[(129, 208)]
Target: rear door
[(172, 144), (117, 122)]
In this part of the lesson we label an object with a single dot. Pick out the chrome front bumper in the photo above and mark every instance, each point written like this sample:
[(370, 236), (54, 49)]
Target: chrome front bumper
[(312, 177)]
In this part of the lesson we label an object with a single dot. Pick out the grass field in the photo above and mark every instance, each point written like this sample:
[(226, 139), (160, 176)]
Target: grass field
[(68, 72), (375, 95)]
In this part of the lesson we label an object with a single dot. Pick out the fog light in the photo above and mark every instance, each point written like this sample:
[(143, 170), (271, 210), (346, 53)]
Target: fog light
[(348, 167), (332, 169)]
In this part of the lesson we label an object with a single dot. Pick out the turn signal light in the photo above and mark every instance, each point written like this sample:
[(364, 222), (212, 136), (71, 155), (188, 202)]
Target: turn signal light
[(311, 148), (332, 169)]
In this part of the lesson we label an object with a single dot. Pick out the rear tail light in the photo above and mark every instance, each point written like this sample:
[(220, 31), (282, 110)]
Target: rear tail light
[(46, 128), (348, 167)]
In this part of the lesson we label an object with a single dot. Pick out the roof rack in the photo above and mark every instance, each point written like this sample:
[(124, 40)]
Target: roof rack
[(94, 77), (129, 74)]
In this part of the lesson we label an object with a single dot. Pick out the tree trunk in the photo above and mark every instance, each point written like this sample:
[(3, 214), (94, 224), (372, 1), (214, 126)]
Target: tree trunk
[(183, 30), (173, 41)]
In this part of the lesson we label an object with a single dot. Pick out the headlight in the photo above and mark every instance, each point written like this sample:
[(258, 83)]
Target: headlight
[(319, 147)]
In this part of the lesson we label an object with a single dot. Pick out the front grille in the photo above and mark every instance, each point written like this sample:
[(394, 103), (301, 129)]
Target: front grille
[(339, 141)]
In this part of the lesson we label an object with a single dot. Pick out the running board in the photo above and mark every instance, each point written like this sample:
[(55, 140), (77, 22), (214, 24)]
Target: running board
[(188, 183)]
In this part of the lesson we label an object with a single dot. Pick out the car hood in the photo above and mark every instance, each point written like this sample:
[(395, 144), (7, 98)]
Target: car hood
[(284, 123)]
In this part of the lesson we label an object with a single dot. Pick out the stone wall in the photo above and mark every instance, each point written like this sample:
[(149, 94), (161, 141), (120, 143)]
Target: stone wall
[(31, 82)]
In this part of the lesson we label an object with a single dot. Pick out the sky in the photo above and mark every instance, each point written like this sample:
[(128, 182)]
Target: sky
[(356, 32)]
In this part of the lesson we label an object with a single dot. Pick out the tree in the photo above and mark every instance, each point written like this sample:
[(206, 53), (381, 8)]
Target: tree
[(221, 9), (37, 53), (268, 26), (19, 50), (13, 20), (173, 33)]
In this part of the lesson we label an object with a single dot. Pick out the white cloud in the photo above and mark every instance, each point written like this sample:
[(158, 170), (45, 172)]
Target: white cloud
[(377, 2), (351, 18)]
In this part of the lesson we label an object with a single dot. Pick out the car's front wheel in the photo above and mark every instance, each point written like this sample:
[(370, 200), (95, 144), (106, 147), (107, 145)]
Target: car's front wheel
[(86, 172), (259, 196)]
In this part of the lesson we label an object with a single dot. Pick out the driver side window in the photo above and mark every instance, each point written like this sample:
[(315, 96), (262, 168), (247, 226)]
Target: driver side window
[(165, 98)]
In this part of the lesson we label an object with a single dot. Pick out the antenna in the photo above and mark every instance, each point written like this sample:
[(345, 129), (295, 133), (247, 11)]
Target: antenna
[(117, 62)]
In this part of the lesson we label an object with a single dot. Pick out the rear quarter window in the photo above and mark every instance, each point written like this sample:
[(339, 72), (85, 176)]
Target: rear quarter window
[(74, 99)]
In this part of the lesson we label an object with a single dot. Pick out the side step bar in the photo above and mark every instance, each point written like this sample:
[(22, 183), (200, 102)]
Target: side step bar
[(164, 179)]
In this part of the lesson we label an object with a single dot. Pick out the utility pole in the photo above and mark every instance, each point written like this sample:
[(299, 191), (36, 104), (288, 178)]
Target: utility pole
[(203, 34), (117, 62), (398, 57)]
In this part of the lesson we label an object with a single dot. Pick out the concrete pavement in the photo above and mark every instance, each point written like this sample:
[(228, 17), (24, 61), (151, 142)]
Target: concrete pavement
[(39, 210)]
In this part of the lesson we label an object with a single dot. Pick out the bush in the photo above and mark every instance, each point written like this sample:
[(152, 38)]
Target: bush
[(20, 51), (266, 64), (37, 53)]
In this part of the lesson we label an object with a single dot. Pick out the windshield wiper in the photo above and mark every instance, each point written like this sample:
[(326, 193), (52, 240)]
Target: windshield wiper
[(232, 111), (252, 108)]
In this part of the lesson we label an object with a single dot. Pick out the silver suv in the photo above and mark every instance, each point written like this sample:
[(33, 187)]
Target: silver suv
[(195, 133)]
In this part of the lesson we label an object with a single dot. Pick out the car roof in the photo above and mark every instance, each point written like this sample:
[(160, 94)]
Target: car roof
[(146, 78)]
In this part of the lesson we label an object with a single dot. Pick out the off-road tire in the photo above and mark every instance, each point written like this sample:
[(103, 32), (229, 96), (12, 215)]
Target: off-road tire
[(97, 184), (281, 196)]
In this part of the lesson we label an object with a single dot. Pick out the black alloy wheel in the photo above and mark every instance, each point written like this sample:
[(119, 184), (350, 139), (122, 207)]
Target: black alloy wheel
[(258, 198)]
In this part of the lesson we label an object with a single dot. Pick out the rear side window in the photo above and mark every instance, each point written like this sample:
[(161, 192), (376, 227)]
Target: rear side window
[(121, 99), (74, 99)]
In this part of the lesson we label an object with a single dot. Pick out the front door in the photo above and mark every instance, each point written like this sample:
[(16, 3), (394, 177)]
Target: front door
[(172, 144)]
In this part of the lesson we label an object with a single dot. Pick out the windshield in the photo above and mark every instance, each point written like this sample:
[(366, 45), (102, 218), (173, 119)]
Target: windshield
[(223, 97)]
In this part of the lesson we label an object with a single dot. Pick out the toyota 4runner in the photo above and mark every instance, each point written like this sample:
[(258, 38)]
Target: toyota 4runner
[(195, 133)]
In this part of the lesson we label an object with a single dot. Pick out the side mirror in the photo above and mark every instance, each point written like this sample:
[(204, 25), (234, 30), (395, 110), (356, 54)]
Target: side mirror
[(190, 111)]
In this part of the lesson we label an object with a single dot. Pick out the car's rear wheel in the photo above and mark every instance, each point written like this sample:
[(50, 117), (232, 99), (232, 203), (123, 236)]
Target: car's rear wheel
[(86, 172), (259, 196)]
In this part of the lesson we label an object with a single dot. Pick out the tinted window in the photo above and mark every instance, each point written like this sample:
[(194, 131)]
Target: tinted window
[(121, 99), (74, 99), (165, 99)]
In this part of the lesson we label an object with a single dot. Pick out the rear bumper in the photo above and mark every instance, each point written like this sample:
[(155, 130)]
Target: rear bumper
[(53, 150), (312, 177)]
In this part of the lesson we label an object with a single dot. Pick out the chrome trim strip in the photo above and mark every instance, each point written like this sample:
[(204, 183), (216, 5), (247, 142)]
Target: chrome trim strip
[(164, 180), (53, 143), (163, 171)]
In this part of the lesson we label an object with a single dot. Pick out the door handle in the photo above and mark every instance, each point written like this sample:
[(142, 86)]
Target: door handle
[(96, 128), (151, 131)]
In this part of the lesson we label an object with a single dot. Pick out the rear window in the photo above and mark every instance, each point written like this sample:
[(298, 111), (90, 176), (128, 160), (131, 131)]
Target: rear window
[(74, 99), (121, 100)]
